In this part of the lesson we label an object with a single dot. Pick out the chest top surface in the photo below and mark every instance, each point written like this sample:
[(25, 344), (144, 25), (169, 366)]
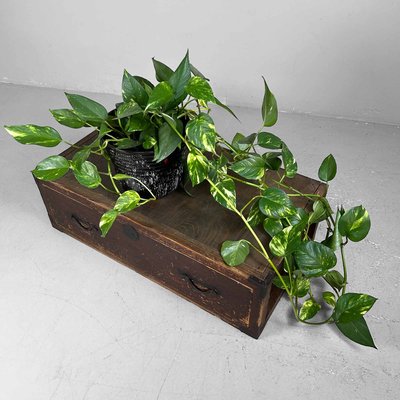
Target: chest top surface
[(196, 223)]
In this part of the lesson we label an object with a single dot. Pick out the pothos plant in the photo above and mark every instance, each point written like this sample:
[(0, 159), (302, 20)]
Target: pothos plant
[(158, 118), (305, 261), (162, 117)]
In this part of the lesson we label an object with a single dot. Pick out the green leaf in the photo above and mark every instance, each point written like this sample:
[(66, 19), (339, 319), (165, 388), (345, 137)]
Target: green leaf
[(235, 252), (301, 287), (196, 72), (285, 242), (148, 86), (243, 143), (120, 177), (251, 167), (224, 193), (278, 282), (133, 90), (137, 123), (80, 157), (201, 132), (163, 72), (87, 109), (352, 306), (321, 211), (328, 168), (104, 129), (309, 309), (269, 141), (33, 134), (255, 217), (275, 203), (335, 279), (168, 141), (128, 109), (200, 89), (87, 175), (171, 121), (67, 118), (179, 79), (314, 259), (299, 219), (106, 221), (357, 331), (198, 167), (237, 142), (272, 226), (225, 107), (148, 138), (329, 298), (272, 160), (289, 162), (126, 143), (336, 239), (160, 96), (217, 167), (51, 168), (355, 224), (269, 109), (127, 201)]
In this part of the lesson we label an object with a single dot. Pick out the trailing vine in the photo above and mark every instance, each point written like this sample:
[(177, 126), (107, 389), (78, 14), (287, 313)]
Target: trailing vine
[(212, 159)]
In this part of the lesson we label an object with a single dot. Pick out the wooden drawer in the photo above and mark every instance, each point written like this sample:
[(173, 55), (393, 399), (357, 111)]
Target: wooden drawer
[(159, 260)]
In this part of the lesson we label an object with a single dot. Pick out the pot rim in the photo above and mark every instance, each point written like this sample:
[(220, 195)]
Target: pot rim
[(132, 150)]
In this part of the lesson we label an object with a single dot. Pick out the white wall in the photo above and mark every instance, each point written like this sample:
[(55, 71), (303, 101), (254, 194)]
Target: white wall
[(338, 58)]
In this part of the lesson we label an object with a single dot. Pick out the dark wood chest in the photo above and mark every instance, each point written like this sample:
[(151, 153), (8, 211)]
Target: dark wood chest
[(175, 242)]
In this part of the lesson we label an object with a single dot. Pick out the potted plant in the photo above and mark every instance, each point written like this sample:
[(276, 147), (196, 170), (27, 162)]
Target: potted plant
[(138, 138), (160, 119)]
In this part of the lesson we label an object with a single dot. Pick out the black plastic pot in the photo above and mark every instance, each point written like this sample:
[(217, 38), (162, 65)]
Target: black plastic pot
[(161, 178)]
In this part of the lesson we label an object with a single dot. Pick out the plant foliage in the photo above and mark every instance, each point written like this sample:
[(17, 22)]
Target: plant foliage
[(175, 112)]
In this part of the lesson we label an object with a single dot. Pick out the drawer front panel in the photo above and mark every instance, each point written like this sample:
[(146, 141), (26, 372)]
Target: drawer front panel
[(130, 244)]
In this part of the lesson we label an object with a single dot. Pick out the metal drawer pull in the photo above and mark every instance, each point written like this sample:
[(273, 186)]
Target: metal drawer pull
[(84, 224), (131, 232), (200, 287)]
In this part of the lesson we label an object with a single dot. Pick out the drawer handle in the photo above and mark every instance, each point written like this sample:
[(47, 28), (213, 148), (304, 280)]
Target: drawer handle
[(87, 226), (131, 232), (200, 287)]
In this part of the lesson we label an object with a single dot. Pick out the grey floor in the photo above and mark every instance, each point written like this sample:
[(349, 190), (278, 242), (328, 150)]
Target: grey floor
[(77, 325)]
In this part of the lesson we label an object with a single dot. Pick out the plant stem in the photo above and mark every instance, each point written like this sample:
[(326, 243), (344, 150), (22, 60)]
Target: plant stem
[(255, 248), (114, 129), (344, 268), (298, 193), (303, 195), (145, 201), (227, 144), (316, 323), (244, 182), (139, 181), (251, 230), (106, 188), (72, 145), (111, 177), (289, 273), (248, 203), (187, 103)]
